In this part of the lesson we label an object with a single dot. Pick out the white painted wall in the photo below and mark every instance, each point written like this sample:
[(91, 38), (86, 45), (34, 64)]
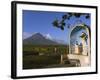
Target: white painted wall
[(5, 32)]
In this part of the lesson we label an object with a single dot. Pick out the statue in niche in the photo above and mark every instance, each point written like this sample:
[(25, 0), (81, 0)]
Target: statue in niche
[(76, 48), (84, 38)]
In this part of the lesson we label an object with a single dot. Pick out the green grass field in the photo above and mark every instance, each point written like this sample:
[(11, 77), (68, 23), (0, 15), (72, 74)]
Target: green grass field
[(38, 56)]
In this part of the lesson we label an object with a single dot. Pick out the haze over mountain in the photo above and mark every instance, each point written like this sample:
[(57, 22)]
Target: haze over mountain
[(39, 39)]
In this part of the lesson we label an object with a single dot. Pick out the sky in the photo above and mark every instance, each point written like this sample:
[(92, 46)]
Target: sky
[(41, 22)]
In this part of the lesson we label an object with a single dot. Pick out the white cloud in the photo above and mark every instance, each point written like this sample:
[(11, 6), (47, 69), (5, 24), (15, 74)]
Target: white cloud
[(48, 36)]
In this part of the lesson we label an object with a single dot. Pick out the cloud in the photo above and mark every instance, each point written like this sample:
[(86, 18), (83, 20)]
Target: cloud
[(26, 35), (48, 36)]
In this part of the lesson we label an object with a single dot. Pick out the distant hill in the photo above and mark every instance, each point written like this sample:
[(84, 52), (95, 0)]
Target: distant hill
[(39, 39)]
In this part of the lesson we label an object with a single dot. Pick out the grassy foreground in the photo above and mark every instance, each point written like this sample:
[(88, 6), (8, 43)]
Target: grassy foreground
[(35, 57)]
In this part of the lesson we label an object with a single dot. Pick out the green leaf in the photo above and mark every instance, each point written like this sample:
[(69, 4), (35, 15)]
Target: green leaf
[(55, 23), (62, 28)]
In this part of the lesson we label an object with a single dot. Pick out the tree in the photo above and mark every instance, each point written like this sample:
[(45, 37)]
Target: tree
[(84, 36), (61, 23)]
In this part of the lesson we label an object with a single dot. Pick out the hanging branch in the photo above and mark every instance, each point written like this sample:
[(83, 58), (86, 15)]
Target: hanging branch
[(61, 24)]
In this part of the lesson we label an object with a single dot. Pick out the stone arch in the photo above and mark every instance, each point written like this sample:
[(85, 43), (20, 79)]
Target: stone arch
[(74, 31)]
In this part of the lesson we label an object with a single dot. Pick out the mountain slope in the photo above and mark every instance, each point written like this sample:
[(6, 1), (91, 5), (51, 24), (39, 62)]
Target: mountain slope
[(39, 39)]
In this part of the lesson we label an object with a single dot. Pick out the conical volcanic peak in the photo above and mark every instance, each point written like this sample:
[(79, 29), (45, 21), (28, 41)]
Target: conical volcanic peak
[(39, 39)]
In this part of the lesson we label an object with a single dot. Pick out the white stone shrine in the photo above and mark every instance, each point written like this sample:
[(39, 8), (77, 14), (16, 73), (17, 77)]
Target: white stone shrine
[(80, 33)]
